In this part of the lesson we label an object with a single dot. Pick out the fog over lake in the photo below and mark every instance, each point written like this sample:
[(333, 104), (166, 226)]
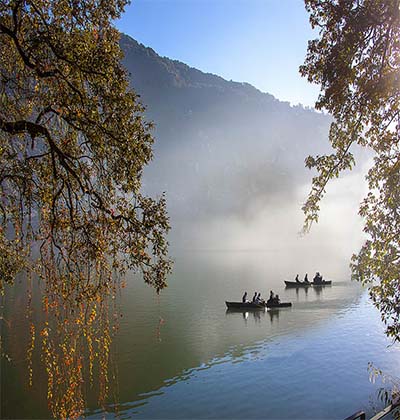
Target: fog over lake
[(230, 160)]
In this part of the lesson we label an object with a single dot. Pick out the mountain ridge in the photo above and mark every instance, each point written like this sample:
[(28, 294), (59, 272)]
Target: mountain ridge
[(221, 146), (181, 69)]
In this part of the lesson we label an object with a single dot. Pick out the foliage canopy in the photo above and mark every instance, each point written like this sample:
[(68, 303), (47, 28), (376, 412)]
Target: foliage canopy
[(356, 60), (73, 144)]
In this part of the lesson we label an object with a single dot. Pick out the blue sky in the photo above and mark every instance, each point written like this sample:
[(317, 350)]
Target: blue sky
[(262, 42)]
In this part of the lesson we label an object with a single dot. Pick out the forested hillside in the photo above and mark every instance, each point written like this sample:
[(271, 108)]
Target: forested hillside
[(219, 144)]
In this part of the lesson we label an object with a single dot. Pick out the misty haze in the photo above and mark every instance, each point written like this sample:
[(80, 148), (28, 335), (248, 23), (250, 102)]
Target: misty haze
[(231, 161), (239, 313)]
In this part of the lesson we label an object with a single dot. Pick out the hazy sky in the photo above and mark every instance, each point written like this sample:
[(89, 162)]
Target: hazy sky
[(262, 42)]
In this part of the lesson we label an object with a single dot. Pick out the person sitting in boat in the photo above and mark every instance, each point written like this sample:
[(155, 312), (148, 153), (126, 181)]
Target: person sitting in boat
[(258, 299), (244, 298), (254, 297), (297, 279), (277, 300), (272, 298), (306, 278), (318, 278)]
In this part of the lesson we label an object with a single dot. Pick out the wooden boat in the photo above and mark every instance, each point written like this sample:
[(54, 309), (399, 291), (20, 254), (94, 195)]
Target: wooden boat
[(303, 284), (279, 305), (323, 283), (297, 284), (256, 306), (245, 306)]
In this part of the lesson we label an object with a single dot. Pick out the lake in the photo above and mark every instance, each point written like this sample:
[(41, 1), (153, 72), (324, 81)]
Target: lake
[(182, 355)]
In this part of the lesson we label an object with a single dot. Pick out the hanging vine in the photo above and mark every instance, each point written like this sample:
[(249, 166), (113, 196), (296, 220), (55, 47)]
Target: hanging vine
[(73, 144)]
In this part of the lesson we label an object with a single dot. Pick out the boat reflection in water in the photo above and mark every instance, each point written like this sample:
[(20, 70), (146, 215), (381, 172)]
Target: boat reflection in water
[(302, 293), (273, 314), (256, 315)]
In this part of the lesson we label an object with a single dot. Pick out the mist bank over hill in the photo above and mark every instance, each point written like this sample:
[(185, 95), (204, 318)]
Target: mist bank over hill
[(224, 150)]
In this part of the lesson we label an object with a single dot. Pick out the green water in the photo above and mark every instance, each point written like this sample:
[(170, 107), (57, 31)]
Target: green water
[(182, 355)]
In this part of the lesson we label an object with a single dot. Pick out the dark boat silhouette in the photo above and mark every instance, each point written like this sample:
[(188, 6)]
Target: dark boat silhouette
[(304, 284), (256, 306)]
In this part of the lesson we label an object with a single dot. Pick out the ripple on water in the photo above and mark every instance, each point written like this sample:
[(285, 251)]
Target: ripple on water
[(320, 374)]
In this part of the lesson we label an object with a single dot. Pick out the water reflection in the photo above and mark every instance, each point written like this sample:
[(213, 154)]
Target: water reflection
[(273, 313), (269, 371), (196, 331), (259, 315), (317, 291), (256, 315)]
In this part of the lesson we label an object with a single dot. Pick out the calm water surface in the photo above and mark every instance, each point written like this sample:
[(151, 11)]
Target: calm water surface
[(184, 356)]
